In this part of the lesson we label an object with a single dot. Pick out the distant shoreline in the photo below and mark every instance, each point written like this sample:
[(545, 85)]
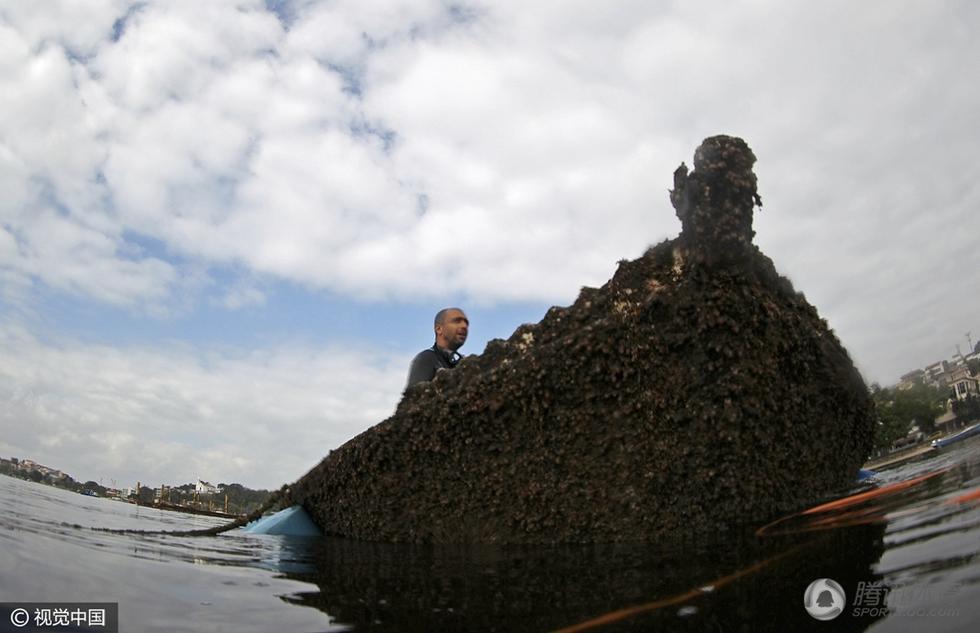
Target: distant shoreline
[(898, 457), (161, 506), (189, 510)]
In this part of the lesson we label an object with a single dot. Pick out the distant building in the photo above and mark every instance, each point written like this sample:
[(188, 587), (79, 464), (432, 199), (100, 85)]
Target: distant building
[(937, 374), (963, 383), (206, 488), (30, 465), (947, 422), (911, 379)]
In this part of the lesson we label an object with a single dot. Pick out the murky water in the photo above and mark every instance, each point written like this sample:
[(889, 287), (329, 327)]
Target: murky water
[(906, 559)]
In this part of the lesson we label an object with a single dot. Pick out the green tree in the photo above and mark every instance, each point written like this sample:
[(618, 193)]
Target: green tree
[(93, 486), (899, 409), (921, 406), (242, 499), (146, 496), (968, 409)]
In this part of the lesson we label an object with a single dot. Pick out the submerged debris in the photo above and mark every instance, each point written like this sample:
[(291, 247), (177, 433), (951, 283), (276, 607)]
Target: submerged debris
[(694, 391)]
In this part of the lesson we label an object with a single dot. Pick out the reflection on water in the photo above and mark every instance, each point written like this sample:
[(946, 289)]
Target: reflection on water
[(395, 588), (905, 554)]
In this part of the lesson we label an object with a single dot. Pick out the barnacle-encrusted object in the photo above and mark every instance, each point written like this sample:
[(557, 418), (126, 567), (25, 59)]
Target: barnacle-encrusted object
[(694, 391)]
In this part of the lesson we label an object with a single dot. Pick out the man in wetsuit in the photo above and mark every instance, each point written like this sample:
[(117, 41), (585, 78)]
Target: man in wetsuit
[(451, 327)]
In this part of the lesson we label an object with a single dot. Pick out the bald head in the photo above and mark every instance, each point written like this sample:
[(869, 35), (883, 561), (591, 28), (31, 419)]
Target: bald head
[(451, 327)]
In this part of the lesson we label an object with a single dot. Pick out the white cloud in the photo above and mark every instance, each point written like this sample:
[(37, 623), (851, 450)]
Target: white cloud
[(496, 151), (80, 27), (242, 295), (69, 256), (170, 413), (171, 51), (48, 140)]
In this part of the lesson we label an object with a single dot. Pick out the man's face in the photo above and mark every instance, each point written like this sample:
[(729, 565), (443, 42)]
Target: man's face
[(451, 333)]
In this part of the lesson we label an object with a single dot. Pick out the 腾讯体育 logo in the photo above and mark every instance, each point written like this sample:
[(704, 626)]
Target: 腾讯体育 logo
[(824, 599)]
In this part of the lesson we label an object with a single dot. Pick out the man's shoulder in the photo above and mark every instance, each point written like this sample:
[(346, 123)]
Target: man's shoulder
[(427, 353), (423, 367), (426, 358)]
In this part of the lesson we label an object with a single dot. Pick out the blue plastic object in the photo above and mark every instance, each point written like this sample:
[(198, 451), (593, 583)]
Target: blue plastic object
[(865, 474), (293, 521)]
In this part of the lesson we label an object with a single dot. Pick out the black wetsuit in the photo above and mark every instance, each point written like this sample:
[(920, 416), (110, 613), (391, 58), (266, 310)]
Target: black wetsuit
[(427, 362)]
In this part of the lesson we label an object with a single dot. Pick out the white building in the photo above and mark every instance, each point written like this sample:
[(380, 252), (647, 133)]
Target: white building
[(963, 383), (936, 374), (206, 488)]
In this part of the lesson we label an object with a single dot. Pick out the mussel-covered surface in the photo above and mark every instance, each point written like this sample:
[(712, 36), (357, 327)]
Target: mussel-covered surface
[(693, 392)]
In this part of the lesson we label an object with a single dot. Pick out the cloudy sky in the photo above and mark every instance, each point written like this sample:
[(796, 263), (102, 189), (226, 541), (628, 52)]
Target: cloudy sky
[(225, 226)]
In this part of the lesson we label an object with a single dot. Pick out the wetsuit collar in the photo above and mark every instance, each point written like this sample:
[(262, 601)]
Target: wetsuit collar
[(450, 356)]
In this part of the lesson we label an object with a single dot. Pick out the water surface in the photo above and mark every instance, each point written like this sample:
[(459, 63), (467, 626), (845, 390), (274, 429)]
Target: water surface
[(908, 560)]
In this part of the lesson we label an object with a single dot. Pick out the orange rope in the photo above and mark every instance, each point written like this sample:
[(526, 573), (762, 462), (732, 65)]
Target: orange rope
[(871, 494), (848, 518), (629, 612), (973, 495)]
